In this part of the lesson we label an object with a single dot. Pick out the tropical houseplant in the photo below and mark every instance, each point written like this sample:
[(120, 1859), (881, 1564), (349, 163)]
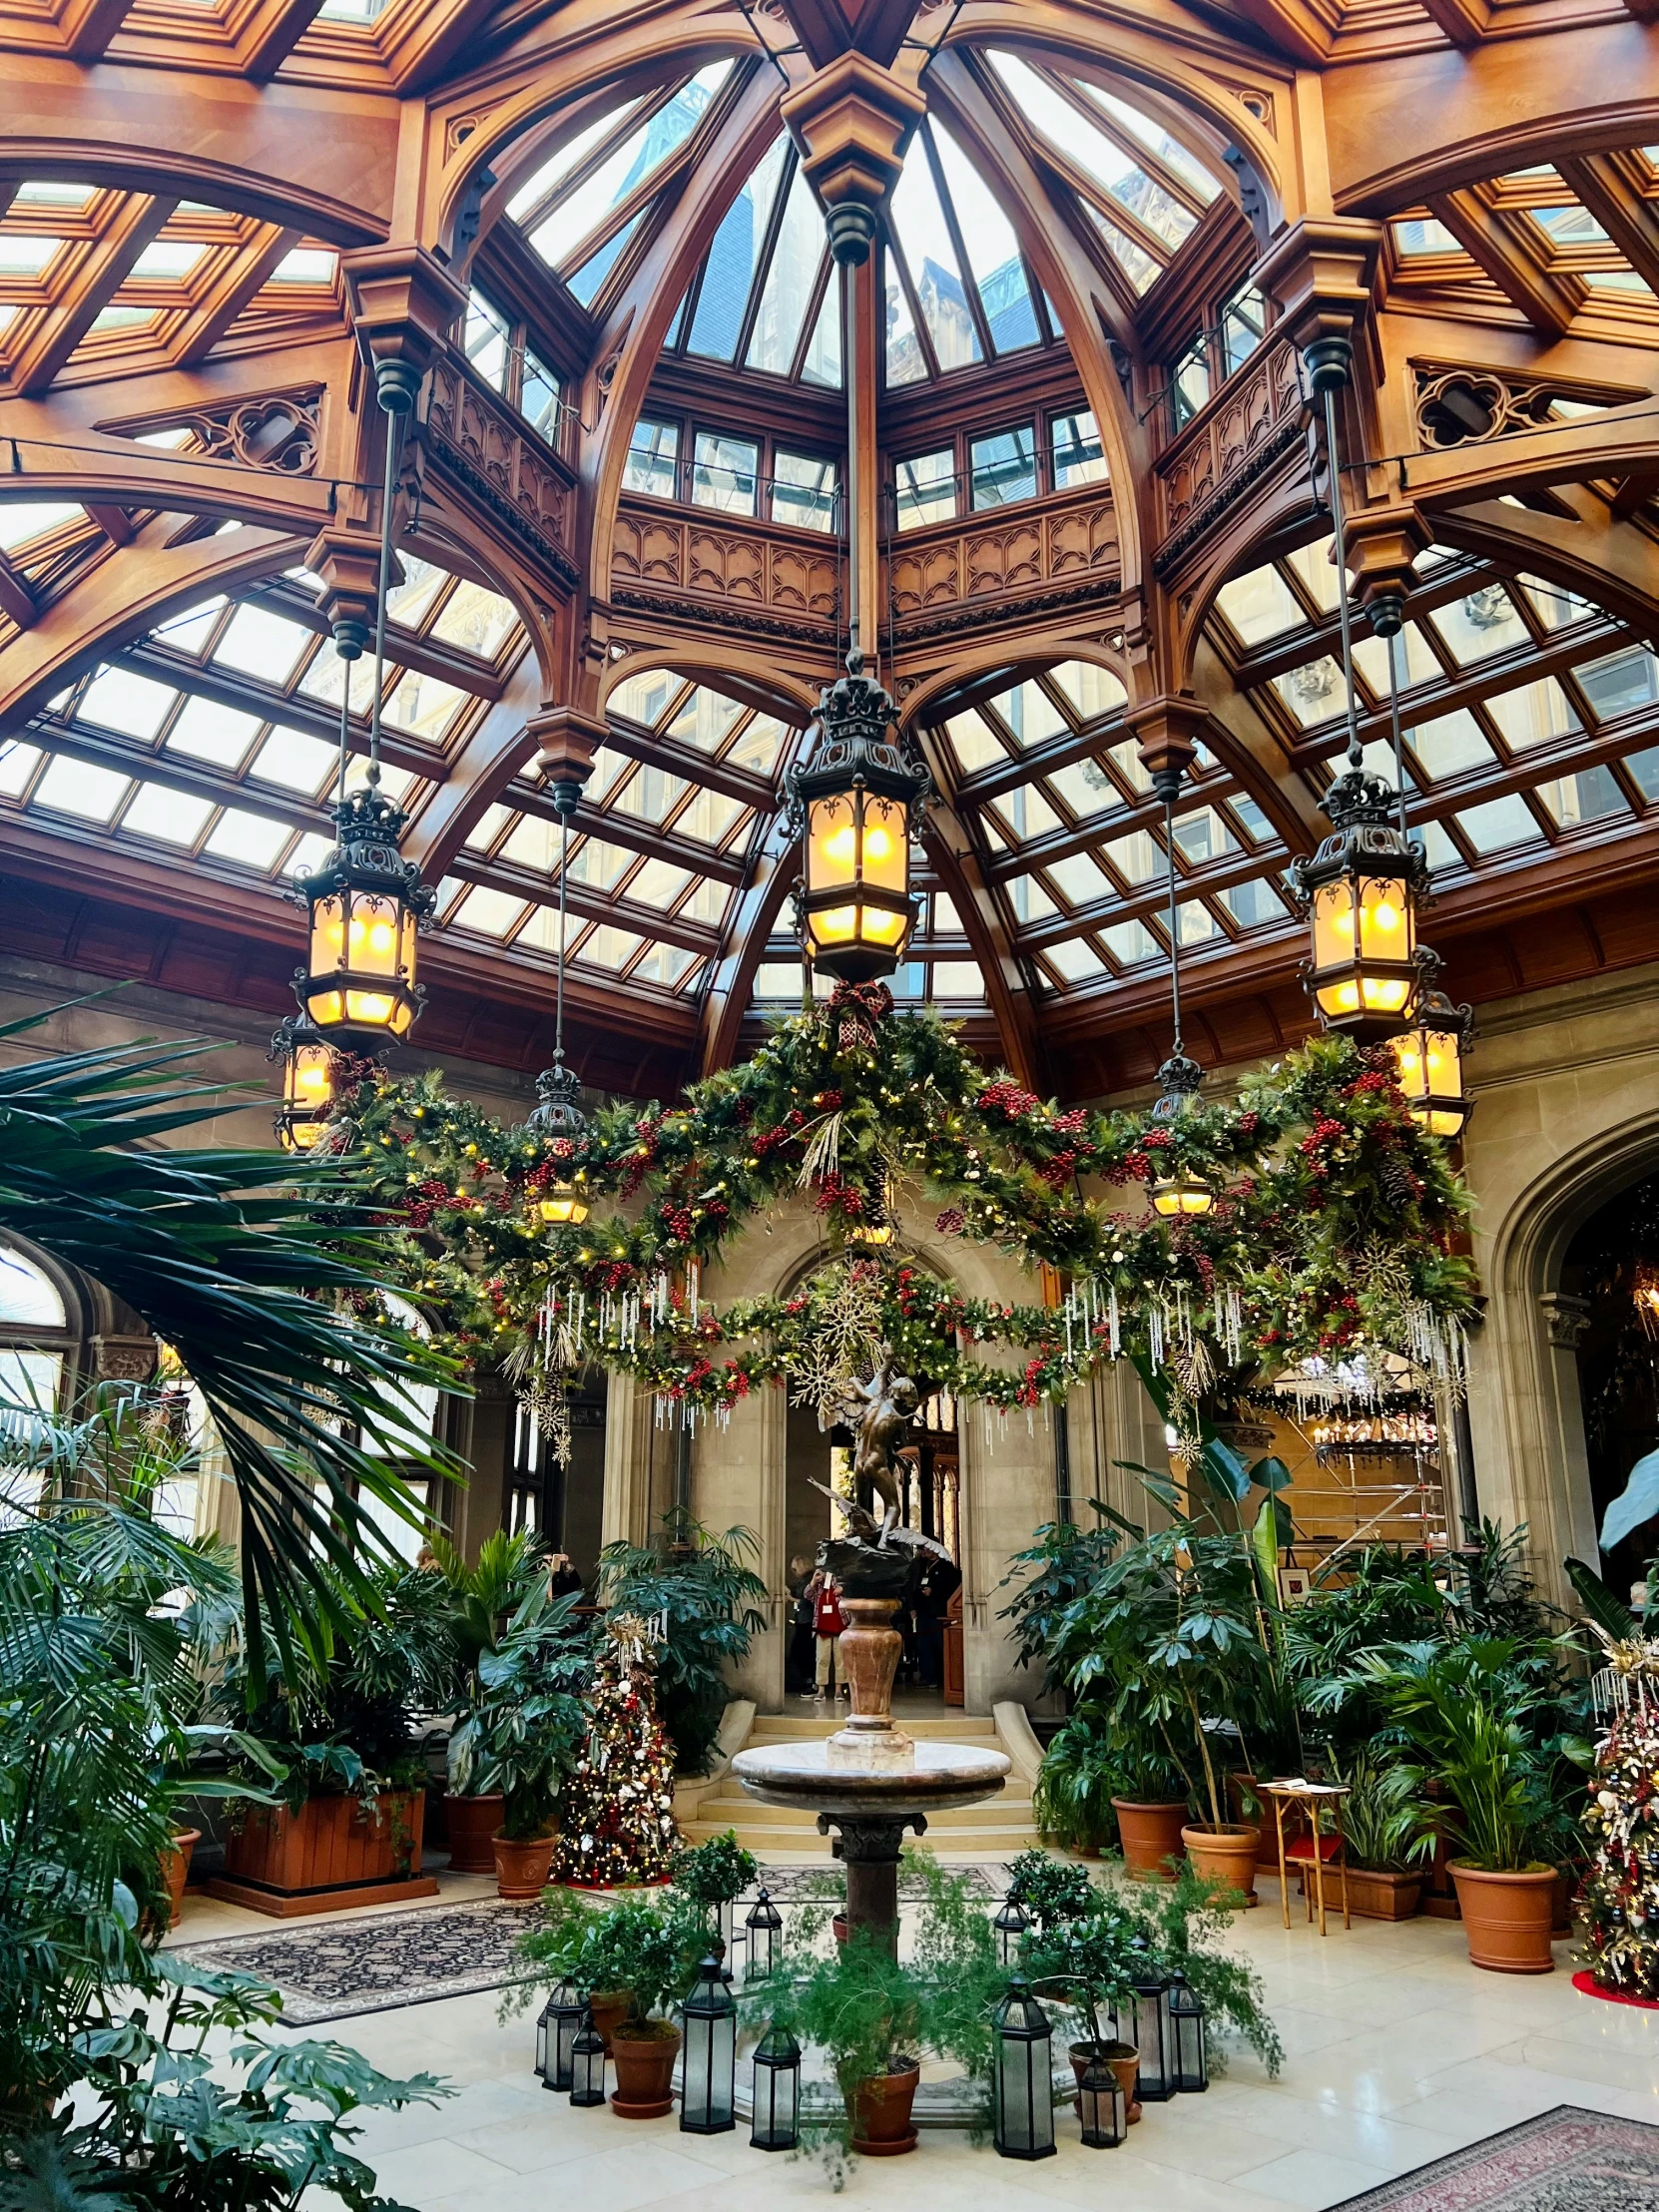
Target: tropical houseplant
[(1389, 1832), (482, 1596), (705, 1587), (629, 1959)]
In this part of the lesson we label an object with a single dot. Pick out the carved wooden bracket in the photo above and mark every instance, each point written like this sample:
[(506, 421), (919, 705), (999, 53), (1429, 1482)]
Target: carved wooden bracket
[(1318, 276), (853, 123), (1166, 732), (568, 741), (349, 562), (404, 304), (1381, 544)]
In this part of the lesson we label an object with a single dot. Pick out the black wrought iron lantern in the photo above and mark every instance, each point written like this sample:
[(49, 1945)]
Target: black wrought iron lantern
[(366, 905), (1185, 2020), (854, 804), (587, 2064), (309, 1083), (776, 2124), (556, 2031), (1022, 2082), (1360, 892), (1101, 2111), (1430, 1055), (1010, 1922), (561, 1201), (764, 1925), (1144, 2022), (708, 2085), (1178, 1191)]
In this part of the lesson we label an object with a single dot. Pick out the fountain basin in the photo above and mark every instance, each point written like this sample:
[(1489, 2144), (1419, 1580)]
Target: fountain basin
[(890, 1777)]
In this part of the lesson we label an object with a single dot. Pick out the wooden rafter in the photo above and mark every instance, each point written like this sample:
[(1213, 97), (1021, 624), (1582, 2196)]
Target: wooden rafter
[(97, 274)]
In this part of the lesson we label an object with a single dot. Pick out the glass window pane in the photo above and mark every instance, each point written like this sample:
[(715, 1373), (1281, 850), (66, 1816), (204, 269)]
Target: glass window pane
[(255, 840), (609, 948), (1075, 962), (1419, 234), (734, 258), (1439, 845), (262, 644), (1030, 902), (1026, 813), (645, 697), (116, 698), (484, 340), (1587, 797), (493, 913), (28, 1298), (992, 250), (927, 489), (1137, 857), (569, 156), (704, 719), (1189, 382), (77, 788), (1080, 880), (710, 818), (582, 210), (205, 731), (1130, 941), (790, 284), (921, 233), (17, 765), (1620, 681), (1644, 766), (290, 757), (1086, 788), (1196, 922), (1242, 325), (1449, 744), (822, 362), (1253, 904), (652, 455), (1532, 713), (724, 473), (804, 491), (1093, 691), (664, 963), (974, 742), (1029, 713), (594, 862), (1482, 624), (1555, 605), (587, 280), (424, 706), (1315, 567), (1251, 820), (1499, 823), (958, 979), (1004, 468), (475, 620), (1157, 140), (1260, 605), (1203, 837), (1415, 660), (1074, 445), (1313, 693), (538, 400)]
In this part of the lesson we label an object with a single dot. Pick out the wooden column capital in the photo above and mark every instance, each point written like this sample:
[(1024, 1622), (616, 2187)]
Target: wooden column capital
[(567, 740), (1318, 276), (404, 304), (853, 123), (348, 563), (1165, 733), (1381, 544)]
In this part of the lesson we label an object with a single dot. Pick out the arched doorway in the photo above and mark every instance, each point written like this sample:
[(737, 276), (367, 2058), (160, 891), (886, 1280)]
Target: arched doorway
[(1610, 1295)]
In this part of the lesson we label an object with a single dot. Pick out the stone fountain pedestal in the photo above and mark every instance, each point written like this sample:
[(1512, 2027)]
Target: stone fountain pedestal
[(870, 1782)]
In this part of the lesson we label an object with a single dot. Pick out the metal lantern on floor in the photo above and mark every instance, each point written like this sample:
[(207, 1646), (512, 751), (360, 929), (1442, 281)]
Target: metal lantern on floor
[(1144, 2022), (1185, 2020), (1101, 2110), (308, 1079), (1430, 1055), (708, 2085), (854, 804), (587, 2064), (1010, 1922), (777, 2101), (556, 2031), (765, 1928), (1022, 2088)]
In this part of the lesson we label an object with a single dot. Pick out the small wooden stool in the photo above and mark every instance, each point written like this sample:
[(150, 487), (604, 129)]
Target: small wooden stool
[(1315, 1799)]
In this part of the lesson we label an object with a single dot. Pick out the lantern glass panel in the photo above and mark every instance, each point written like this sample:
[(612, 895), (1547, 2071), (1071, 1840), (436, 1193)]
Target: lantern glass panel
[(327, 933), (374, 939), (1182, 1193), (564, 1204), (1430, 1064), (763, 1925), (833, 844), (1386, 932), (1100, 2107), (587, 2071), (1022, 2087), (886, 844), (1192, 2071)]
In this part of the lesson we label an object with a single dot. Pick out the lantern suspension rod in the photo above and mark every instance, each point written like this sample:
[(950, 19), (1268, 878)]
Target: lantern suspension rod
[(1168, 784), (559, 986), (344, 725), (1398, 736), (854, 489), (1355, 753), (387, 489)]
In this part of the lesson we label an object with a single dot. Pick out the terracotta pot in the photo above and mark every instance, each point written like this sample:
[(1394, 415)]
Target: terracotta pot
[(1226, 1854), (521, 1866), (609, 2009), (1376, 1896), (644, 2055), (1267, 1851), (1150, 1834), (1507, 1917), (882, 2113), (470, 1821), (330, 1844), (1123, 2060), (175, 1867), (837, 1928)]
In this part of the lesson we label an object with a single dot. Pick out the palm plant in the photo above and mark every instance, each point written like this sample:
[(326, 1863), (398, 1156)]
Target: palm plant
[(1388, 1824), (259, 1288), (705, 1586)]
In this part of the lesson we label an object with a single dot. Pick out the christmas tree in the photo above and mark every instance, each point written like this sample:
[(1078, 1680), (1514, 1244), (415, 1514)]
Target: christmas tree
[(617, 1822), (1621, 1895)]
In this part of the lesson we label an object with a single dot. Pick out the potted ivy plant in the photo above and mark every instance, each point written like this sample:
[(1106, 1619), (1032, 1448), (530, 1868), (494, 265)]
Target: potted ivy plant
[(712, 1877)]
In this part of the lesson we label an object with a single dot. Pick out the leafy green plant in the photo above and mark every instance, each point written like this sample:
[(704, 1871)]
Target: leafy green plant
[(528, 1719), (1079, 1776), (1050, 1890), (1185, 1918), (648, 1951), (1092, 1958), (713, 1874), (1388, 1824), (1050, 1576), (480, 1599), (706, 1588)]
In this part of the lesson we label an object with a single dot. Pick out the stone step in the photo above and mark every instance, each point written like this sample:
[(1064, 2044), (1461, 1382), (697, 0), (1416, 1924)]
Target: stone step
[(778, 1728)]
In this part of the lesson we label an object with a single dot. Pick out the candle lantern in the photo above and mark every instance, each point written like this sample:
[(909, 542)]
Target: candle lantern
[(764, 1925), (587, 2064), (556, 2031), (1179, 1190), (1010, 1922), (1144, 2022), (707, 2089), (1100, 2106), (1022, 2078), (854, 804), (1430, 1055), (1360, 892), (1185, 2020), (366, 903), (309, 1083), (562, 1201), (776, 2117)]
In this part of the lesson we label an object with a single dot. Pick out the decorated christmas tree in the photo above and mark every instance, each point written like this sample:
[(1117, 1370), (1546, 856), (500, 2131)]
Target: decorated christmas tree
[(1621, 1895), (618, 1809)]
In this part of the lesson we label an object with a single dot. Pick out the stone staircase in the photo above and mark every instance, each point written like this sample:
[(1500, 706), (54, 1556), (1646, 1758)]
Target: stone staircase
[(996, 1830)]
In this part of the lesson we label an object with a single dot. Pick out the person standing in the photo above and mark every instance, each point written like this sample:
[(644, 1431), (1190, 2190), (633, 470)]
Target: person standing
[(801, 1655), (827, 1623)]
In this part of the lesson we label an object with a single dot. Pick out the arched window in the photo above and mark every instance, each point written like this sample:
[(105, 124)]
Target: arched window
[(35, 1338)]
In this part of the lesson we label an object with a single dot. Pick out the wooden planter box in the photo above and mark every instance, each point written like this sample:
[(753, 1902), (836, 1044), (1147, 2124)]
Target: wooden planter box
[(326, 1856), (1374, 1897)]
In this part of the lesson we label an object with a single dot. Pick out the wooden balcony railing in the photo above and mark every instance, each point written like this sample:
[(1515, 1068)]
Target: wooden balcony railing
[(1251, 424)]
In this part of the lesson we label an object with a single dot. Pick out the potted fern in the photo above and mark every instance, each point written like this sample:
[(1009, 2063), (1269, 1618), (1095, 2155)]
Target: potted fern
[(1389, 1835)]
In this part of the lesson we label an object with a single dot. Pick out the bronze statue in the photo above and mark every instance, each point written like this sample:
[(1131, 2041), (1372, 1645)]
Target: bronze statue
[(879, 1414)]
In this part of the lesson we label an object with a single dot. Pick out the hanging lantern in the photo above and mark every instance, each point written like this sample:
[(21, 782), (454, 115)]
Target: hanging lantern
[(1179, 1190), (587, 2064), (366, 904), (764, 1926), (1186, 2019), (708, 2090), (1101, 2110), (1360, 894), (309, 1076), (556, 2031), (776, 2100), (561, 1202), (1021, 2078), (1010, 1922), (1430, 1055), (854, 804)]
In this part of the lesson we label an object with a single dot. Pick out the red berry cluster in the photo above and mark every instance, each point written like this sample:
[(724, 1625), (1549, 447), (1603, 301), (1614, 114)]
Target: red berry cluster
[(1006, 1099), (1056, 1173), (951, 1222), (837, 1196)]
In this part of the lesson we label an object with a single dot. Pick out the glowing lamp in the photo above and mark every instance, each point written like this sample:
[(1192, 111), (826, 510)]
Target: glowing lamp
[(562, 1203), (1360, 892), (366, 905), (853, 807), (309, 1076), (1181, 1193), (1428, 1057)]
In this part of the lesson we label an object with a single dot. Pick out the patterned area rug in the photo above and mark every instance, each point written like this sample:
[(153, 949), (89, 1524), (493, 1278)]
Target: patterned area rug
[(336, 1968), (1568, 2160)]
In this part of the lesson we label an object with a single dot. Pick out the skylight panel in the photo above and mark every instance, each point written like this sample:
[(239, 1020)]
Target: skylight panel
[(1314, 692), (1250, 818), (585, 207), (475, 620), (1196, 923), (1260, 605), (1030, 902), (17, 765), (1126, 758), (48, 191), (1484, 623), (1589, 795), (308, 853), (493, 913), (664, 963), (1029, 713), (328, 676), (1093, 691), (262, 642), (1315, 567), (947, 921), (974, 742), (1417, 237), (188, 632), (1132, 258), (821, 363), (168, 259), (959, 979), (423, 706), (169, 816), (710, 818), (705, 719), (305, 265), (408, 603), (609, 947), (1644, 766), (394, 782), (116, 698), (77, 788), (787, 293), (659, 884), (1130, 942), (777, 979), (733, 259), (1620, 681), (1156, 140), (1204, 835), (1449, 744), (1097, 155), (587, 280), (24, 254), (1572, 225), (1499, 825), (1253, 905), (649, 793), (296, 762), (1415, 658), (708, 902), (905, 363), (1075, 962), (992, 250), (569, 156), (24, 520), (1533, 714), (645, 697), (1086, 788), (758, 746), (1026, 813), (1438, 845), (1623, 283), (253, 840), (488, 827), (1137, 857), (594, 862), (924, 238), (1080, 880), (209, 731)]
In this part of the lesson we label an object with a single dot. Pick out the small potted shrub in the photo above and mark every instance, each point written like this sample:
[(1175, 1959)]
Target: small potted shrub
[(1389, 1835), (1090, 1956), (712, 1877), (641, 1950)]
